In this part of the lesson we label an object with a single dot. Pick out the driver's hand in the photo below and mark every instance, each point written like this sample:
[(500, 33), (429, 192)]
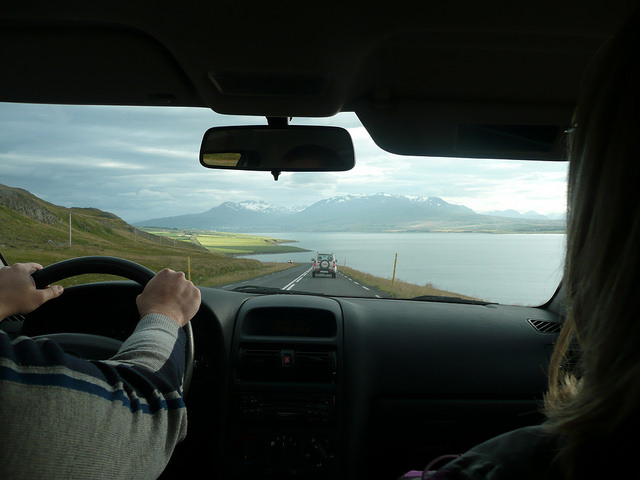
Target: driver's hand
[(170, 294), (18, 292)]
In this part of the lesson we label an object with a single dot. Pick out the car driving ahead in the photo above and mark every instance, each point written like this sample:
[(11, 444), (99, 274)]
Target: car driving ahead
[(425, 140), (324, 263)]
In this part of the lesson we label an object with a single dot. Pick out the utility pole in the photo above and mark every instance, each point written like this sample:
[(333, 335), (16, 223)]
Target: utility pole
[(69, 229)]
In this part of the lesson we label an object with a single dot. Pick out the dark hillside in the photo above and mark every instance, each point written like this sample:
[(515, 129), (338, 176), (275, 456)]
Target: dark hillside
[(28, 221), (32, 229)]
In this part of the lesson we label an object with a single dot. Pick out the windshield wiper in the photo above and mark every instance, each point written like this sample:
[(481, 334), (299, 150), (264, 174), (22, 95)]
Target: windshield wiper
[(466, 301), (271, 290)]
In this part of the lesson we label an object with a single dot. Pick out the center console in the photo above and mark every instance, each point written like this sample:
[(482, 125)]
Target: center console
[(287, 389)]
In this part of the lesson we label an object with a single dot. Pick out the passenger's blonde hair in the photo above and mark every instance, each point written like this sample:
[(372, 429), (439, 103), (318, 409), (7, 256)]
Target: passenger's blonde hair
[(594, 382)]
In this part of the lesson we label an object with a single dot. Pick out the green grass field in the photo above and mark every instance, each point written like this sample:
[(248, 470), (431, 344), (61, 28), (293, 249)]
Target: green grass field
[(228, 243)]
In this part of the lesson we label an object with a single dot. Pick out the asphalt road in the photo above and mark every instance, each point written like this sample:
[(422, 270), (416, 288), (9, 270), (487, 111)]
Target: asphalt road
[(299, 278)]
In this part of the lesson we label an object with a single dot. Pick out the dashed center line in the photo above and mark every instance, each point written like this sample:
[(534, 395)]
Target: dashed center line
[(290, 285)]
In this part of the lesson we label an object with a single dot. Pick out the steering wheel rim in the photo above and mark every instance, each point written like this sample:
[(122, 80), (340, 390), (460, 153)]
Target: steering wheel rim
[(113, 266)]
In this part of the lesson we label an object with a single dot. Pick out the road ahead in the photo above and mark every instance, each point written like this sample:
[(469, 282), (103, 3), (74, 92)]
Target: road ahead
[(299, 278)]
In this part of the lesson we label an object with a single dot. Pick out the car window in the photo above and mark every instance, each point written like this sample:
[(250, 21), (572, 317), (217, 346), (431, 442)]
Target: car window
[(402, 226)]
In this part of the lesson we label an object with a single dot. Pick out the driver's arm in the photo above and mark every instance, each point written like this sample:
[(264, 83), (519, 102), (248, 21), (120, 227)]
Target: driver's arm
[(70, 418)]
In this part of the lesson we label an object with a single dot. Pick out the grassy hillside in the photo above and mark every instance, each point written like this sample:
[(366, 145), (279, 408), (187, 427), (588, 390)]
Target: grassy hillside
[(34, 230)]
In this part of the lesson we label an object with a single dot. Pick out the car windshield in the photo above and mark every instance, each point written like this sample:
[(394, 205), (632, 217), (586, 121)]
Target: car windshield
[(126, 181)]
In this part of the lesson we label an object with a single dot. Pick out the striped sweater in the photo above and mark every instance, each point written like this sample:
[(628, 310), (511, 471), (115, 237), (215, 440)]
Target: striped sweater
[(64, 417)]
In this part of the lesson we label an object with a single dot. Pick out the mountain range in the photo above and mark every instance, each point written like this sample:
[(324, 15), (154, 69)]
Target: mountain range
[(46, 222), (374, 213)]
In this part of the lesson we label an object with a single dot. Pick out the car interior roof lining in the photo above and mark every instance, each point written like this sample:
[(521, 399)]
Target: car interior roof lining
[(461, 57)]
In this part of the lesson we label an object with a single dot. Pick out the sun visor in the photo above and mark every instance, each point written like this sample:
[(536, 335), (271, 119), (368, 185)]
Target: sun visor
[(469, 130), (105, 65)]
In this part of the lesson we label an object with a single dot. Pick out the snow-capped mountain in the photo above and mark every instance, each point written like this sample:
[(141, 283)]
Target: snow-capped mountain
[(228, 216), (517, 214), (380, 212), (260, 206)]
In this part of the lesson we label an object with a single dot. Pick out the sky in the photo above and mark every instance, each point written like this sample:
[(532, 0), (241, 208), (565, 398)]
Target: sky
[(142, 163)]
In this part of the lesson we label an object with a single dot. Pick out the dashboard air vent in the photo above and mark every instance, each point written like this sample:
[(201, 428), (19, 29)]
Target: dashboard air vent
[(544, 326), (288, 365), (317, 362), (261, 358)]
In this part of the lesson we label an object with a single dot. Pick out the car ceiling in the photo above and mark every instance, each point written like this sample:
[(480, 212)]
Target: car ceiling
[(418, 74)]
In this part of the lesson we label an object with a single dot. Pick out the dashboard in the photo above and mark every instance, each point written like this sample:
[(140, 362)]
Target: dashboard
[(304, 386)]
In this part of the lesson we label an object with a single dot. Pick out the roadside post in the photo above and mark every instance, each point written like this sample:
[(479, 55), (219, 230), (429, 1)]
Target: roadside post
[(393, 278)]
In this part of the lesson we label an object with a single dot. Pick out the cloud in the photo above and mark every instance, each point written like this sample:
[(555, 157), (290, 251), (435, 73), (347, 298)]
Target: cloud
[(141, 163)]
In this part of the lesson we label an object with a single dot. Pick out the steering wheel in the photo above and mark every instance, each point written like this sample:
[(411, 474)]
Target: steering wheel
[(104, 346)]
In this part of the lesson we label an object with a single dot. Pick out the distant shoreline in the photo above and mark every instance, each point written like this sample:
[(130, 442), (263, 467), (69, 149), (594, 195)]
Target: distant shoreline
[(229, 243)]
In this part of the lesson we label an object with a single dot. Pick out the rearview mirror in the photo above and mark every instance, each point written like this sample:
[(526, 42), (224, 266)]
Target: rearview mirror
[(278, 149)]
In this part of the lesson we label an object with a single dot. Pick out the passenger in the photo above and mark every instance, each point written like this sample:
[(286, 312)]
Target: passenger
[(593, 402), (63, 417)]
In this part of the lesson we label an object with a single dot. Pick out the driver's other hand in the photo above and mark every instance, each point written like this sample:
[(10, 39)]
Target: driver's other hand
[(170, 294), (18, 292)]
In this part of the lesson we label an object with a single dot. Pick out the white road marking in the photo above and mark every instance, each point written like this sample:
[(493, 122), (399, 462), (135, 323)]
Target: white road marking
[(290, 285)]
